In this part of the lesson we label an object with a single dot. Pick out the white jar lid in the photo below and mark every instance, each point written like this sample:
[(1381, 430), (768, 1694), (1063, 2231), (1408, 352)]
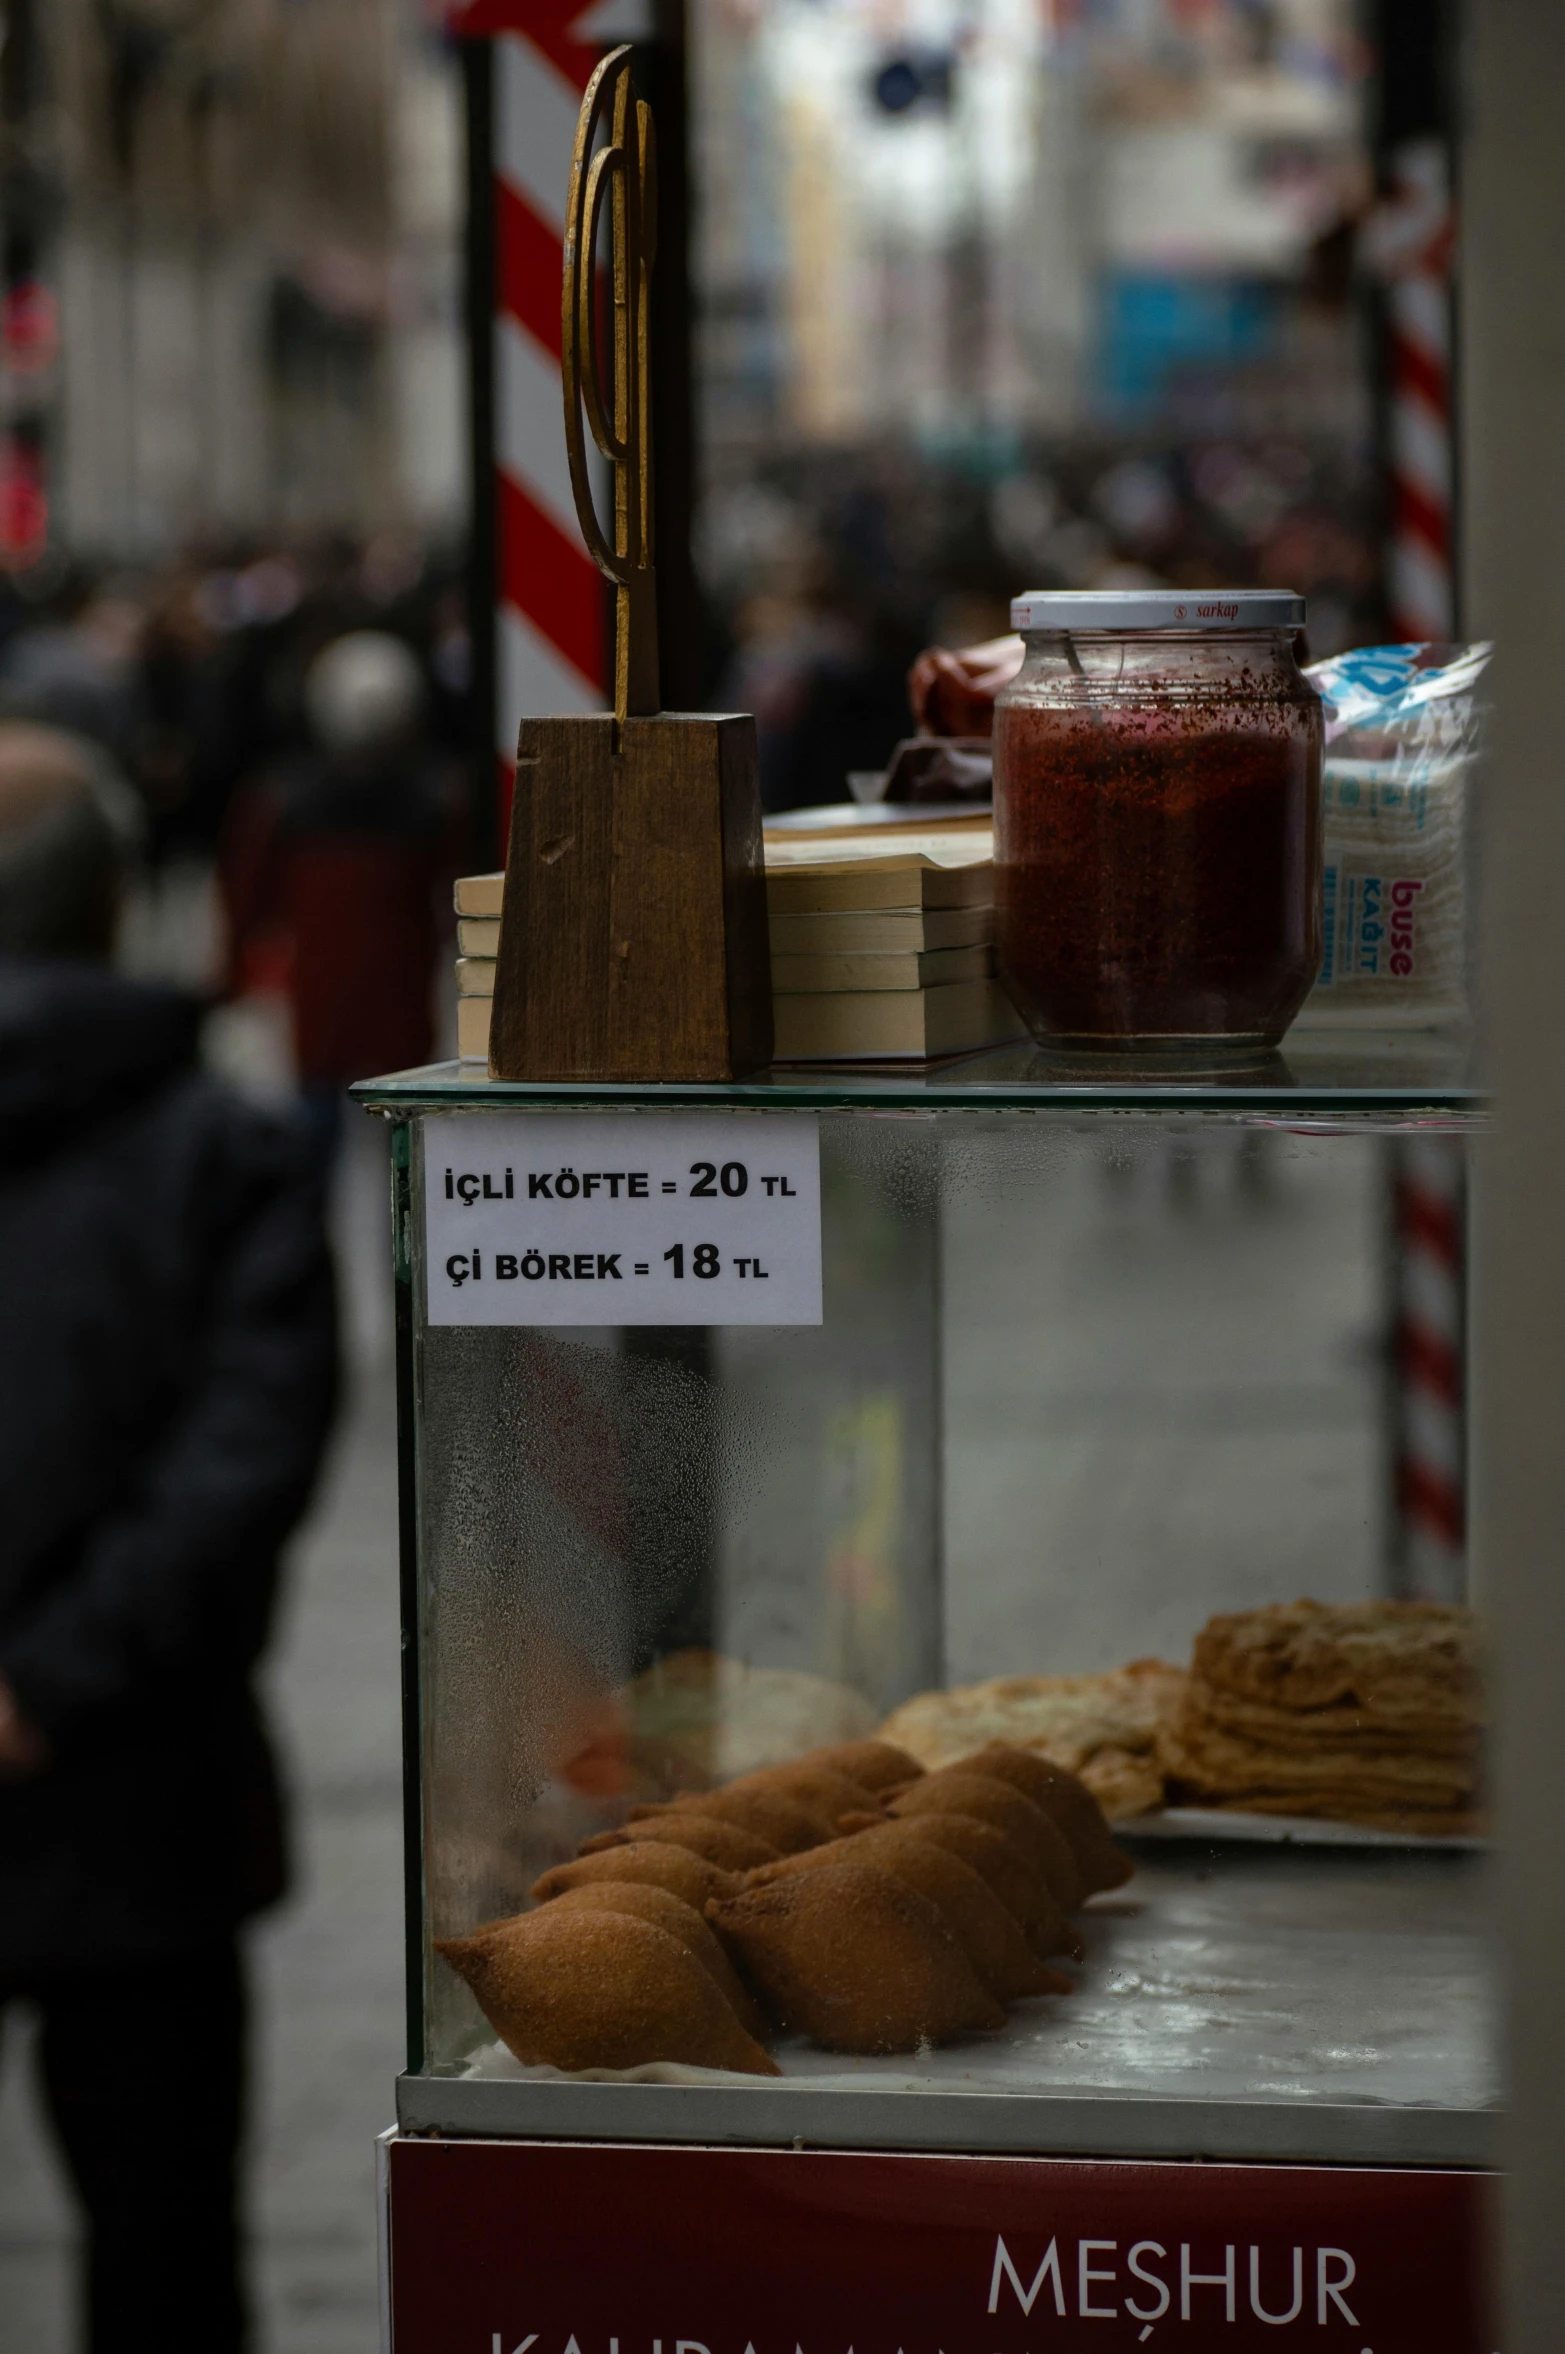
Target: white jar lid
[(1202, 609)]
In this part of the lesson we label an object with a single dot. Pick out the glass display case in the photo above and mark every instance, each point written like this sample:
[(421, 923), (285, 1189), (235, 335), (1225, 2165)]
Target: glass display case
[(749, 1425)]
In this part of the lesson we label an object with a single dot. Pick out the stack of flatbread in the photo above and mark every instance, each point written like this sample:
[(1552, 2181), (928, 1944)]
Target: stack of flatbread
[(1104, 1728), (1362, 1712)]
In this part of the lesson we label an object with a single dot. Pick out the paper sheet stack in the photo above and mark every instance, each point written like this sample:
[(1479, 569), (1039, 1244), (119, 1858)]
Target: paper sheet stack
[(879, 953)]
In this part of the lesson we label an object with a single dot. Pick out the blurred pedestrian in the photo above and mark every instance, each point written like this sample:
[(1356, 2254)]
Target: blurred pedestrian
[(826, 688), (75, 665), (167, 1372), (337, 871)]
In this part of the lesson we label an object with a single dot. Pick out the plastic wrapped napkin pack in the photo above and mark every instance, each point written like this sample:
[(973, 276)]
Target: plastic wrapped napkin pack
[(1403, 737)]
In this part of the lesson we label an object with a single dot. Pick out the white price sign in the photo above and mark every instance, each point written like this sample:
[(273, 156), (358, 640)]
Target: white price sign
[(660, 1218)]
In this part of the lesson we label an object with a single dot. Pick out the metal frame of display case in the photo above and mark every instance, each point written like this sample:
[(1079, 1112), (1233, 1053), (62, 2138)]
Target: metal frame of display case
[(1334, 1085), (1107, 2125), (1340, 1077)]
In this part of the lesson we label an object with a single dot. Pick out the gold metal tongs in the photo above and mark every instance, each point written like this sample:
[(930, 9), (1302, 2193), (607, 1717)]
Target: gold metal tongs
[(624, 170), (633, 932)]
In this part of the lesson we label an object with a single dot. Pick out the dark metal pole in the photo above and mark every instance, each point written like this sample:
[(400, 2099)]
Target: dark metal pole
[(478, 305), (688, 1615), (660, 67), (25, 308)]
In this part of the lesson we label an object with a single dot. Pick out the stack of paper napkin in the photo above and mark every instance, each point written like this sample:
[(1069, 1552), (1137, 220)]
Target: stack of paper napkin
[(478, 944), (882, 952)]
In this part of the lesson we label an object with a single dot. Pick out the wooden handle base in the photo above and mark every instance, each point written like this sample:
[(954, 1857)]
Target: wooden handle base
[(633, 941)]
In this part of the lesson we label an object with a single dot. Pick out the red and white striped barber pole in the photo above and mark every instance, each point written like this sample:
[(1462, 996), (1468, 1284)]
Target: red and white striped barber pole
[(1409, 242), (551, 613), (1428, 1320)]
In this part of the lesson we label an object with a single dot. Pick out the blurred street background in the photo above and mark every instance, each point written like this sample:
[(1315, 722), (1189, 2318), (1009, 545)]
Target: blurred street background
[(985, 295)]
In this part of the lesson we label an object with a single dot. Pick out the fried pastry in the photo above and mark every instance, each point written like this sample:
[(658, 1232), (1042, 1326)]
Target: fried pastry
[(823, 1789), (724, 1844), (1069, 1804), (646, 1903), (1105, 1728), (874, 1765), (576, 1989), (783, 1822), (810, 1859), (991, 1937), (684, 1875), (856, 1960), (1211, 1766), (1366, 1712), (1403, 1666), (1025, 1895), (955, 1791)]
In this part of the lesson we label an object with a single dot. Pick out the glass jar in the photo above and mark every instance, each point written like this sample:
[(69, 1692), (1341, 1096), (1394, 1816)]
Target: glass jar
[(1157, 796)]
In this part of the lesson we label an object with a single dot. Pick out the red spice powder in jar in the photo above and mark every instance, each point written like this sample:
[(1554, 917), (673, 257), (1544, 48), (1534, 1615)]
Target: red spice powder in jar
[(1157, 825)]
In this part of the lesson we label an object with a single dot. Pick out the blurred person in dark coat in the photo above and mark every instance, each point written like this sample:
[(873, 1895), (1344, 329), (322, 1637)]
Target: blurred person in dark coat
[(75, 666), (337, 872), (167, 1376)]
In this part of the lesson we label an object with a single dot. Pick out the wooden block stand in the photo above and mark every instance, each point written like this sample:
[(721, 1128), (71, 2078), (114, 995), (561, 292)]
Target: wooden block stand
[(633, 937)]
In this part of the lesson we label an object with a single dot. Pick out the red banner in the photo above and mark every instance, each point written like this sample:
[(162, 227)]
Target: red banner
[(571, 2248)]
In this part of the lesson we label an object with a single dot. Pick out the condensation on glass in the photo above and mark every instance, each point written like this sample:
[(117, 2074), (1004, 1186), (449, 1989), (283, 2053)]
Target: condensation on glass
[(1081, 1384)]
